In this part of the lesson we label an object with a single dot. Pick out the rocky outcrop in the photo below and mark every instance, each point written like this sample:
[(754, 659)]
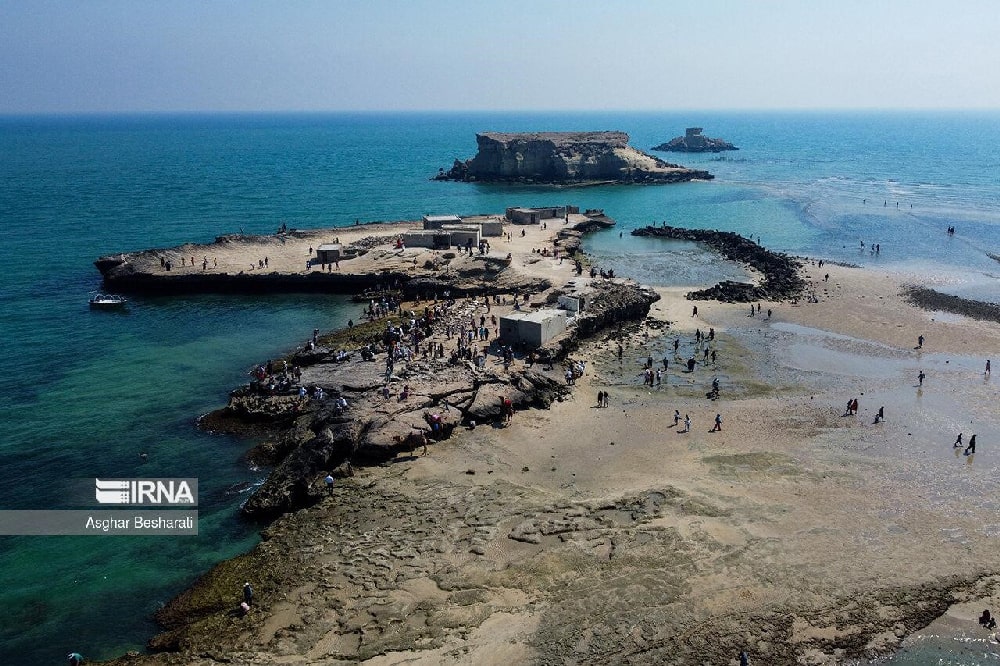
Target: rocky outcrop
[(781, 279), (570, 239), (930, 299), (694, 142), (381, 270), (440, 395), (564, 158)]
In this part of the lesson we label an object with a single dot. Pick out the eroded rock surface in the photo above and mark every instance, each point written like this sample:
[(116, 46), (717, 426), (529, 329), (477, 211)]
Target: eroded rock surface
[(565, 157)]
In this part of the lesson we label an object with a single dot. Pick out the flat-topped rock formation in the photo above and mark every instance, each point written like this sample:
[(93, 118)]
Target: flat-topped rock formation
[(694, 141), (370, 257), (573, 158)]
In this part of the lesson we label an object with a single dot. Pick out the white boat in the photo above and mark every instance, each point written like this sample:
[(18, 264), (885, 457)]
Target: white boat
[(107, 301)]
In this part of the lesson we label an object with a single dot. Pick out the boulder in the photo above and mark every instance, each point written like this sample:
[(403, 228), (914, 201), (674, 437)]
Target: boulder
[(291, 485)]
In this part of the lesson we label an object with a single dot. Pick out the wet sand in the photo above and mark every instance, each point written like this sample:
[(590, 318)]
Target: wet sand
[(603, 535)]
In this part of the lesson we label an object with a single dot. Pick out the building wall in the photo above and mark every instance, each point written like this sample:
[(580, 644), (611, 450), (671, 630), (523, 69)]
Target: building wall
[(437, 221), (534, 215), (533, 329), (570, 304), (329, 255), (491, 228), (461, 236), (429, 240)]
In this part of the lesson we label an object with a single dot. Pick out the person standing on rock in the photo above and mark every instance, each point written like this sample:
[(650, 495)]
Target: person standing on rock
[(329, 486), (247, 594)]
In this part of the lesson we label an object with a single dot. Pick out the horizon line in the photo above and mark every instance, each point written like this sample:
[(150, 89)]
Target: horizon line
[(331, 112)]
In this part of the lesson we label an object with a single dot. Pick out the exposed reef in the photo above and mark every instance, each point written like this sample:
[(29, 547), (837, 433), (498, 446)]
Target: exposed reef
[(564, 158), (780, 280), (694, 142), (929, 299)]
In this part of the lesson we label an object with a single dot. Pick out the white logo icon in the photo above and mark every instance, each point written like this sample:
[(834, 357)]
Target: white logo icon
[(143, 491), (113, 492)]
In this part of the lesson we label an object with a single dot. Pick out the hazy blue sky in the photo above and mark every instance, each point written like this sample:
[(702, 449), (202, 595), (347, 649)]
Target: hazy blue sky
[(202, 55)]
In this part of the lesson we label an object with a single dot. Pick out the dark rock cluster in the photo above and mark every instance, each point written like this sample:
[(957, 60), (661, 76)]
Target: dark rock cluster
[(694, 142), (781, 279), (930, 299)]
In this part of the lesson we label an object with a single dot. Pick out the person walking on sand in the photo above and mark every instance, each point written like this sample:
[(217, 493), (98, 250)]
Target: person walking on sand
[(607, 395), (958, 441), (718, 423), (687, 423), (600, 398), (920, 378), (971, 448), (677, 417), (920, 342), (987, 367)]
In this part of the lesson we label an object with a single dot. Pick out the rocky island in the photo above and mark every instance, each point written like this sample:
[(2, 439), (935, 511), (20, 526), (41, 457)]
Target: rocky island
[(564, 158), (484, 506), (694, 142)]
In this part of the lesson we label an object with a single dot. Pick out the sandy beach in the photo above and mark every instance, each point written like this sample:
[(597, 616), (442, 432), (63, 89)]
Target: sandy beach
[(591, 535)]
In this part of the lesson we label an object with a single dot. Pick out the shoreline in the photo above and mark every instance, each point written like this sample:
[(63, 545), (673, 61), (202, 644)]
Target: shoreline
[(581, 522)]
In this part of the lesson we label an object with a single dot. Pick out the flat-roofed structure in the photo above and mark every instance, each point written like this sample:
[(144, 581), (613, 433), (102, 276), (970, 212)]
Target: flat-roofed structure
[(536, 215), (437, 221), (430, 238), (532, 328), (329, 253), (489, 228), (463, 235)]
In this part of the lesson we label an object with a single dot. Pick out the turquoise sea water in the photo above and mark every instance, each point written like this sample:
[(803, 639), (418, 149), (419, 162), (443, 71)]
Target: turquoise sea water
[(85, 392)]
